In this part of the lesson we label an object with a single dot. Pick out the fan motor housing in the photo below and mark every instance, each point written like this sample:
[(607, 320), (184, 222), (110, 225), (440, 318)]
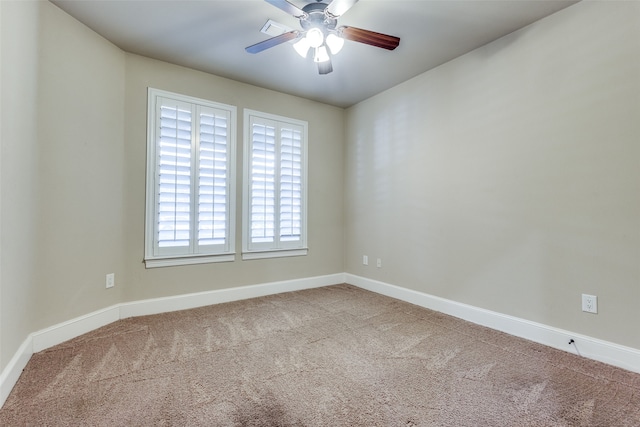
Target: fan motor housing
[(317, 18)]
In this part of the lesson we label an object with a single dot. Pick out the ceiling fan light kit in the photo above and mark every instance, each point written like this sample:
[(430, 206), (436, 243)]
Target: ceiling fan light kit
[(318, 21)]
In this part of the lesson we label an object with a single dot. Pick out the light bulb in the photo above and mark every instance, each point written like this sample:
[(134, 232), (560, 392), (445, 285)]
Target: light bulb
[(315, 37), (321, 54), (302, 47), (335, 43)]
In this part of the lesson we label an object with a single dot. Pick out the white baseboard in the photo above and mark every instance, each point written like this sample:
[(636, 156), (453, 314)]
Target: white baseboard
[(11, 373), (201, 299), (65, 331), (57, 334), (592, 348)]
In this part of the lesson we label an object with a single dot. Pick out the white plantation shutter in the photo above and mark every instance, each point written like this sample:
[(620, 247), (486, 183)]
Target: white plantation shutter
[(213, 212), (190, 180), (174, 174), (263, 183), (275, 181), (290, 184)]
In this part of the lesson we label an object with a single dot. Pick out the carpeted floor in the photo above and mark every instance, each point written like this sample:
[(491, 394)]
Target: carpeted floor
[(333, 356)]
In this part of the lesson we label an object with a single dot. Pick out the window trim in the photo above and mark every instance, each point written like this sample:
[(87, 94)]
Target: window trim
[(287, 250), (151, 258)]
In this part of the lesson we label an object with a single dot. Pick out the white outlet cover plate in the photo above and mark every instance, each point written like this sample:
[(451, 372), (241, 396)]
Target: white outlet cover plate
[(589, 303)]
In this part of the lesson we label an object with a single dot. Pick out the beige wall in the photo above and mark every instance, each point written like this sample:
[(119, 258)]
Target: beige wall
[(62, 177), (325, 203), (80, 216), (509, 178), (18, 173)]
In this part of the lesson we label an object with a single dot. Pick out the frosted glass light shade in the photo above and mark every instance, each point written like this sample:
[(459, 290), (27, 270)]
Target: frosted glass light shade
[(302, 47), (315, 37), (321, 54), (335, 43)]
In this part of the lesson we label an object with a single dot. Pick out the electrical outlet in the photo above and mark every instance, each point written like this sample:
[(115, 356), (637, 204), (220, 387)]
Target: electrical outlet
[(111, 280), (365, 260), (589, 303), (379, 263)]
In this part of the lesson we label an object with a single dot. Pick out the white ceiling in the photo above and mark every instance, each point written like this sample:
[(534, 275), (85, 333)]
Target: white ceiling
[(211, 36)]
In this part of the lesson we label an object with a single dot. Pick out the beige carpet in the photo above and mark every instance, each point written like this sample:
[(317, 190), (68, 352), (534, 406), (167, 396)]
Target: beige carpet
[(333, 356)]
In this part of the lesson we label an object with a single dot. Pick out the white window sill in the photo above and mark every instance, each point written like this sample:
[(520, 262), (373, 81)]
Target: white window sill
[(279, 253), (188, 260)]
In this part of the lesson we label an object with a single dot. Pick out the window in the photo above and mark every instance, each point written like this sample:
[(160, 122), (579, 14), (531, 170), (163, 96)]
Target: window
[(275, 182), (190, 207)]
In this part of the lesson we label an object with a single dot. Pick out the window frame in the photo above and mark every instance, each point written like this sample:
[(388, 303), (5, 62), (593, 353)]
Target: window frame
[(279, 248), (193, 254)]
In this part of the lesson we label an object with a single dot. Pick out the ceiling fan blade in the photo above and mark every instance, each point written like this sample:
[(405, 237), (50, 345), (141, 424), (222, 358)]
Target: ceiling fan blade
[(325, 67), (291, 9), (372, 38), (273, 41), (339, 7)]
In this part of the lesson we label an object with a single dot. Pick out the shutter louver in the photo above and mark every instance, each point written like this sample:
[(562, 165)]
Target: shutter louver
[(174, 177)]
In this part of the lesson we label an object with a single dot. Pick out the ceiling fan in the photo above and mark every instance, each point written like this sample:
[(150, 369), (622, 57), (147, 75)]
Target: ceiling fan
[(320, 32)]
